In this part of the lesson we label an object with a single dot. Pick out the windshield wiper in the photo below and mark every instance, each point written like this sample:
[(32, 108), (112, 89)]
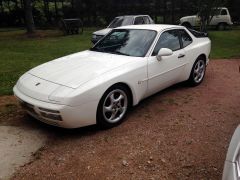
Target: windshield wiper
[(120, 53), (97, 49)]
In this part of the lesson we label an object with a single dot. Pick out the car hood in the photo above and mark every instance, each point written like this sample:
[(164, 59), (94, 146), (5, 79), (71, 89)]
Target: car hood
[(76, 69), (102, 32), (189, 17)]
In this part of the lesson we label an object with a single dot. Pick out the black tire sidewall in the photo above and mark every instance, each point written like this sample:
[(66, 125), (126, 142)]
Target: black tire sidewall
[(101, 122)]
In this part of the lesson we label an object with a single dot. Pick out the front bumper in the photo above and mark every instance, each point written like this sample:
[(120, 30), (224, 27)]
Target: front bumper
[(56, 114)]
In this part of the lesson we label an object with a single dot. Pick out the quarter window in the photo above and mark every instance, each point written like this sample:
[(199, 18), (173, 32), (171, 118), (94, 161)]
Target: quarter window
[(168, 39), (185, 38), (138, 20)]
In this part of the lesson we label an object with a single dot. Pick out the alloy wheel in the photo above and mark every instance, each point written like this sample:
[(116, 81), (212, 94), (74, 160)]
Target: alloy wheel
[(115, 106)]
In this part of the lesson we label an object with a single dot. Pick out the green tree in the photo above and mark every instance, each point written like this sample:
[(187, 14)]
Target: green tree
[(206, 10)]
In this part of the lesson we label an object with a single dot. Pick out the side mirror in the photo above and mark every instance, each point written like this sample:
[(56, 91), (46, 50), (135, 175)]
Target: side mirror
[(164, 52)]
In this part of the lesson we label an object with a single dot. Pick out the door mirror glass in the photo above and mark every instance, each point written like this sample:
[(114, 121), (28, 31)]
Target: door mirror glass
[(164, 52)]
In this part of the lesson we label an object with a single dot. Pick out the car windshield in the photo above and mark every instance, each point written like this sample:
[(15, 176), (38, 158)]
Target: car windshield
[(216, 12), (121, 21), (129, 42)]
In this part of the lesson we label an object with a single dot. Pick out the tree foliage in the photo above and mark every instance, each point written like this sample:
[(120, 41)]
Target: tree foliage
[(206, 11), (101, 12)]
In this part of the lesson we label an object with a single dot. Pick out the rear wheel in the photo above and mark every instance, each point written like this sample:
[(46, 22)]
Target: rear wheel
[(221, 26), (113, 106), (198, 72)]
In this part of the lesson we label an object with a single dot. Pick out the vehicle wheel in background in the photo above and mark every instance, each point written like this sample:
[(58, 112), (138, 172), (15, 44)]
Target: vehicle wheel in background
[(113, 106), (222, 26), (198, 72)]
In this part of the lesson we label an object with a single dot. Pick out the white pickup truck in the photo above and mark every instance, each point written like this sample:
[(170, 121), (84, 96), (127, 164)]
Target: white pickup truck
[(221, 19)]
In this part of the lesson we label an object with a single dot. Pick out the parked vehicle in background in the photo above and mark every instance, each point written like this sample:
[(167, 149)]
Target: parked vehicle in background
[(100, 85), (122, 21), (232, 164), (221, 19)]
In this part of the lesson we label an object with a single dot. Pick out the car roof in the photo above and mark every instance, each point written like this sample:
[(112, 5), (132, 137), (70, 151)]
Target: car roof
[(219, 8), (156, 27), (132, 15)]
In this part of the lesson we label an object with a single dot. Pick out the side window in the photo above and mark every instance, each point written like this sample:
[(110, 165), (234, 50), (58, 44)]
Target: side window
[(168, 39), (185, 38), (146, 20), (138, 20), (224, 12)]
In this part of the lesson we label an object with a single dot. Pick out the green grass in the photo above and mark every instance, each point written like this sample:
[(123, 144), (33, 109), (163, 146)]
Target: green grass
[(225, 44), (19, 53)]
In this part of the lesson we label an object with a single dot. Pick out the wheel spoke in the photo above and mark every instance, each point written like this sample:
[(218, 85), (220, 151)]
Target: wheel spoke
[(112, 99), (107, 109), (115, 106), (122, 109), (119, 98), (113, 116), (199, 70)]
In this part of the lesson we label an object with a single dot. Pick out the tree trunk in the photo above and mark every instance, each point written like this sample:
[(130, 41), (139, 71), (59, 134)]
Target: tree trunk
[(1, 4), (56, 8), (21, 3), (72, 4), (29, 17), (46, 10), (8, 4), (173, 11), (164, 11)]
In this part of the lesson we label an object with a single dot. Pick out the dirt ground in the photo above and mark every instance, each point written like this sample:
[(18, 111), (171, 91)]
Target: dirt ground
[(179, 133)]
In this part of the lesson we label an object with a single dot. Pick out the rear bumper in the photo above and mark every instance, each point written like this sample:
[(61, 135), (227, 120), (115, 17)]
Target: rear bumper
[(56, 114)]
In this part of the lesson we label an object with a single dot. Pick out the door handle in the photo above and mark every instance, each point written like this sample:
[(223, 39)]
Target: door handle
[(181, 56)]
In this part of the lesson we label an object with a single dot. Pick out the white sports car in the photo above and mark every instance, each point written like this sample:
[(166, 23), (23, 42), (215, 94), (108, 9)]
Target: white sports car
[(99, 85)]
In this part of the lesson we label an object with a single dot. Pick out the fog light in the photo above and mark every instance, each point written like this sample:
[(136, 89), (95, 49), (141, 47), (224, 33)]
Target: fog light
[(49, 110), (51, 116)]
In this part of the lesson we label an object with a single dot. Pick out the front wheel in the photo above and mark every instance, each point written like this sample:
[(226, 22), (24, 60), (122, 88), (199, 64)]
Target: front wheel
[(198, 72), (113, 106)]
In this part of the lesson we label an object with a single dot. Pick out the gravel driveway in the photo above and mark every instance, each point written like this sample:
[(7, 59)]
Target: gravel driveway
[(179, 133)]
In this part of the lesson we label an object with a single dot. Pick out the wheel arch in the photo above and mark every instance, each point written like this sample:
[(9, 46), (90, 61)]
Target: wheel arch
[(200, 56), (127, 87)]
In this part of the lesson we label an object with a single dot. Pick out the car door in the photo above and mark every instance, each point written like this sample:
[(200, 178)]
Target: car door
[(224, 16), (167, 71), (216, 17)]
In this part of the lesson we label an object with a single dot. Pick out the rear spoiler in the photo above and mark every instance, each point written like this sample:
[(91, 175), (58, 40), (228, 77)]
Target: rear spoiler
[(198, 34)]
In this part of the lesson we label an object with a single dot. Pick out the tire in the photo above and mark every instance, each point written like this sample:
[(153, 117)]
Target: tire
[(112, 109), (198, 72), (221, 26)]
